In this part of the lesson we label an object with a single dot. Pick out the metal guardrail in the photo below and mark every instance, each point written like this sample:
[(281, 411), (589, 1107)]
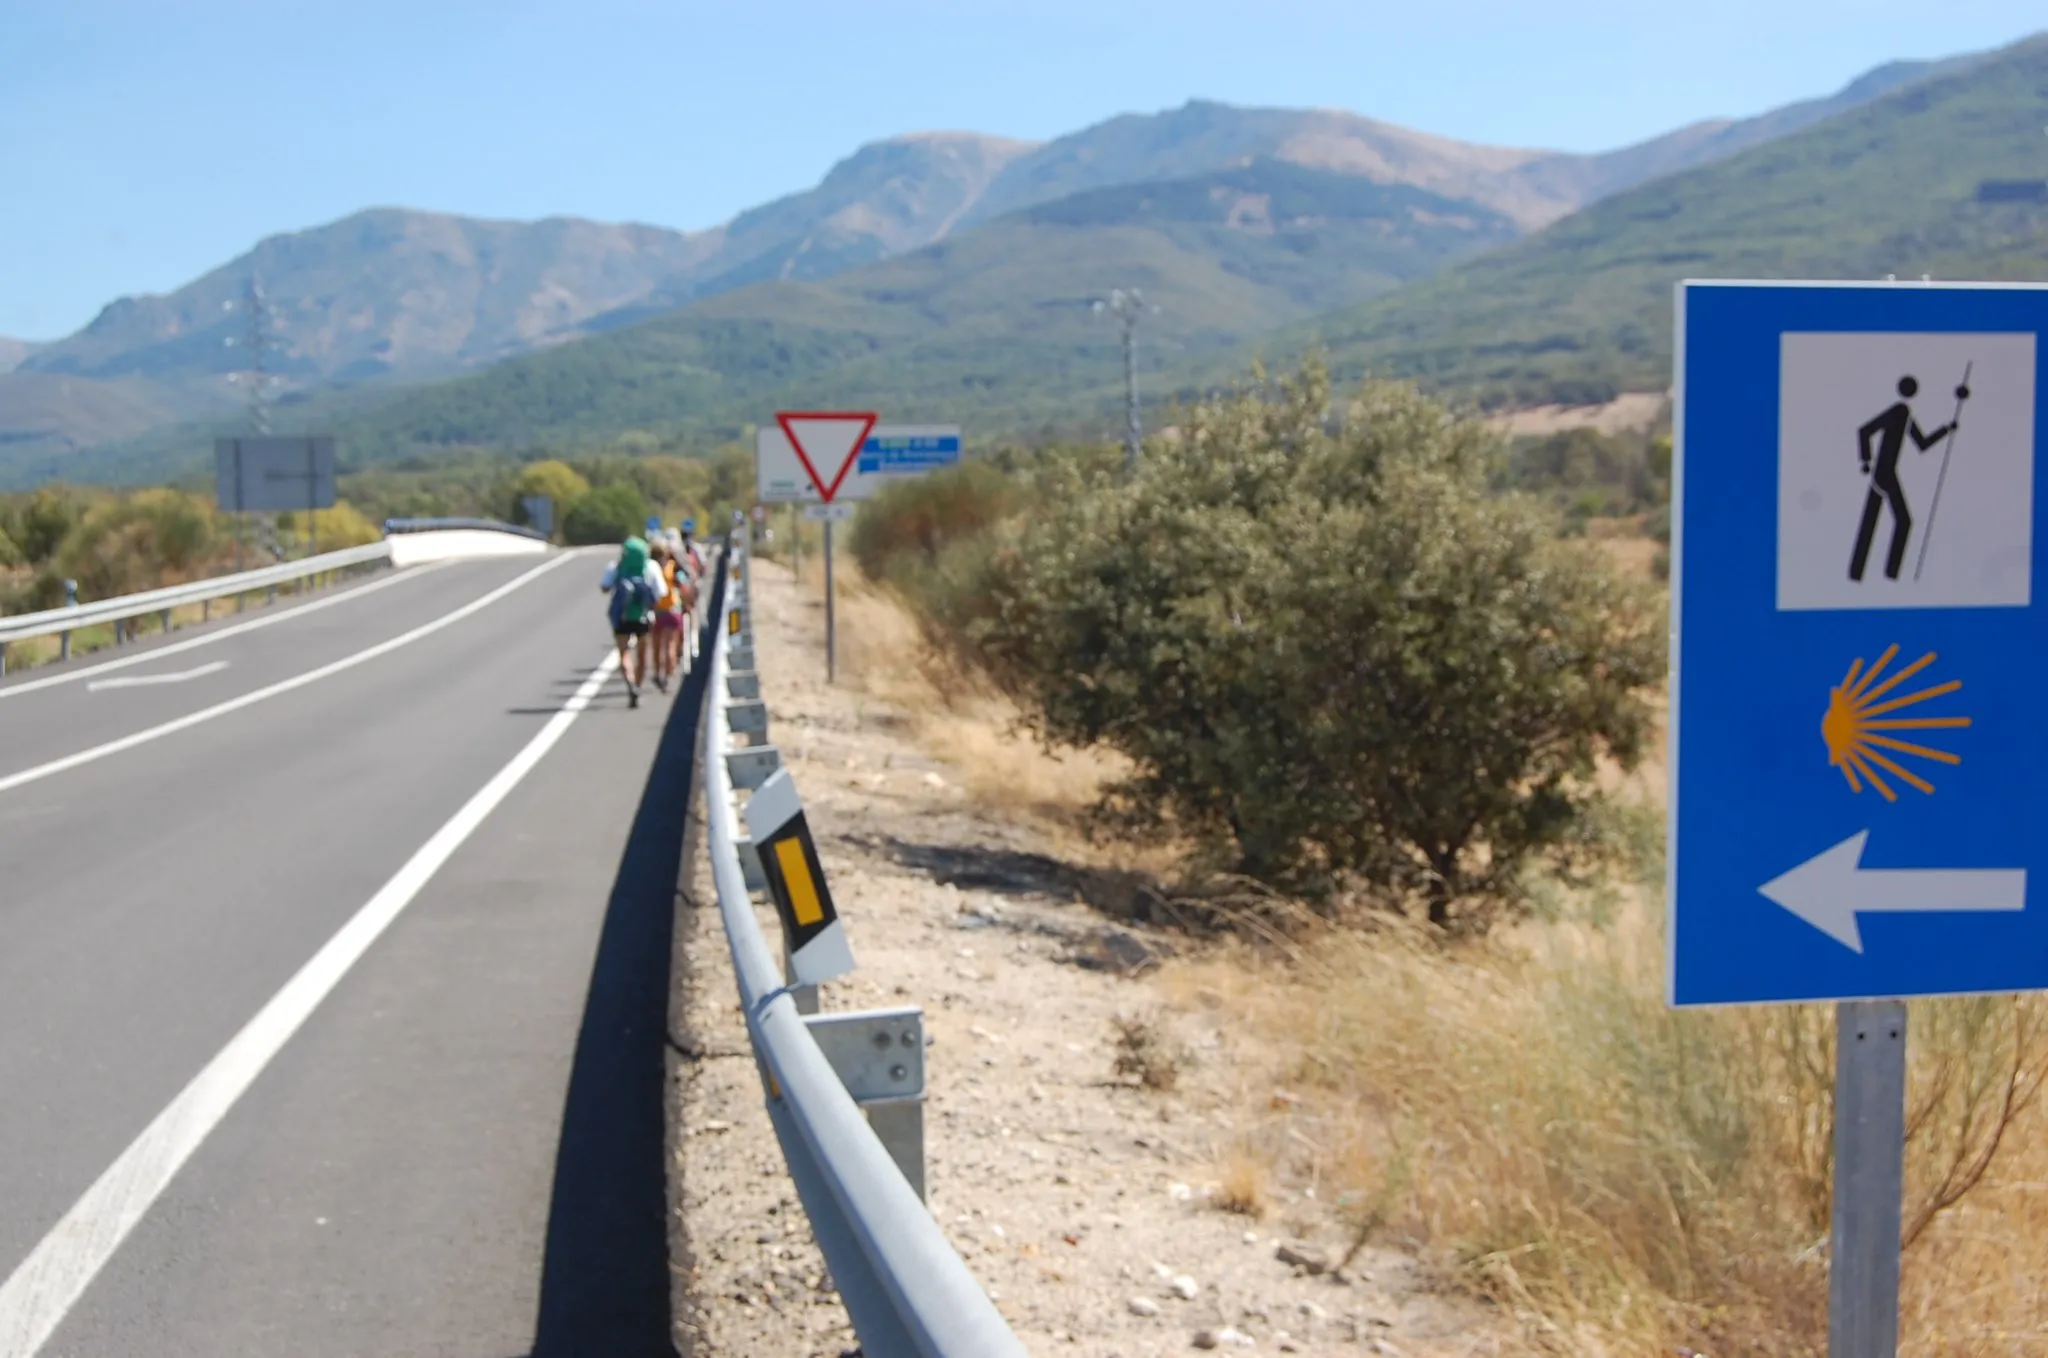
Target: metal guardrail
[(443, 525), (63, 621), (907, 1292)]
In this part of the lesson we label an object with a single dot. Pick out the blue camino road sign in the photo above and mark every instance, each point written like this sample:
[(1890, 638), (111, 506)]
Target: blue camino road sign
[(1859, 730), (909, 449)]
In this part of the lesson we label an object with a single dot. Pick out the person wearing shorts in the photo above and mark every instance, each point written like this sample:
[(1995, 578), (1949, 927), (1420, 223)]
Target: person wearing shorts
[(632, 610)]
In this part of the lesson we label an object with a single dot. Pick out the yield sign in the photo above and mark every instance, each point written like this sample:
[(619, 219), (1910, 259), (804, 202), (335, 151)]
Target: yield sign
[(826, 442)]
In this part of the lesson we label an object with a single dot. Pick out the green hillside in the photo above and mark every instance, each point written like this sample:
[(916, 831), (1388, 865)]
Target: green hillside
[(994, 327), (1948, 177)]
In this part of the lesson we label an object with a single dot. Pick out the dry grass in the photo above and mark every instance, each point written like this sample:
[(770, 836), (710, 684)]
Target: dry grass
[(1244, 1184), (1635, 555), (1622, 1177), (1528, 1114), (959, 720), (1146, 1052)]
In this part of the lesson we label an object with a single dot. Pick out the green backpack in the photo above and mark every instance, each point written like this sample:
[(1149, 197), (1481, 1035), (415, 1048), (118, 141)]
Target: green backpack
[(632, 598)]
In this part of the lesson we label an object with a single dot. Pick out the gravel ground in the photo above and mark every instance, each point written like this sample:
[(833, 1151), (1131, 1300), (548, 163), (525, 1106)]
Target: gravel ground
[(1081, 1201)]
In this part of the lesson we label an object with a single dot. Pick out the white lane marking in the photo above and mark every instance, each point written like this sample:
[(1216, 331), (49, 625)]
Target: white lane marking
[(159, 652), (221, 709), (35, 1300), (145, 680)]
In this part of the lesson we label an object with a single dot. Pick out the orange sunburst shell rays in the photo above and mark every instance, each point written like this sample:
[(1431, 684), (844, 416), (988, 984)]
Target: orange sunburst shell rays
[(1855, 724)]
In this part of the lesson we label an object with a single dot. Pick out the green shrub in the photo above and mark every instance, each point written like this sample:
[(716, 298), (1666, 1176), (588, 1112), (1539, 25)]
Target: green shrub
[(343, 526), (904, 529), (1328, 649), (138, 542), (558, 481), (608, 514), (554, 479), (1592, 473), (39, 523)]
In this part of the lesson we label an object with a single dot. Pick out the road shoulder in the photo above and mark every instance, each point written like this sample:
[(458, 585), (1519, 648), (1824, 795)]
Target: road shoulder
[(1089, 1206)]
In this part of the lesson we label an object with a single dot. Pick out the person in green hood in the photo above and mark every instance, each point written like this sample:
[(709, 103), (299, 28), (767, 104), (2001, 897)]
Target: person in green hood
[(635, 585)]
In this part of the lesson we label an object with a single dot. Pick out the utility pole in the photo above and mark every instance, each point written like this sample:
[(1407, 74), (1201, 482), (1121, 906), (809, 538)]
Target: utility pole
[(257, 340), (254, 378), (1128, 306)]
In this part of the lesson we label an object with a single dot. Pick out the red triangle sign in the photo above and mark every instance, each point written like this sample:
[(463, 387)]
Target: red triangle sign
[(826, 442)]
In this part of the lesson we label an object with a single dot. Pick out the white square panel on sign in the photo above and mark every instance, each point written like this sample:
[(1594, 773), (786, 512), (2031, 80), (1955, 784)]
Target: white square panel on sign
[(1905, 470)]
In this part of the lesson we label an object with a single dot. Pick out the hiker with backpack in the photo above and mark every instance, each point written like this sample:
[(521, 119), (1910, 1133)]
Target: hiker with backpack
[(636, 585), (668, 616), (690, 574)]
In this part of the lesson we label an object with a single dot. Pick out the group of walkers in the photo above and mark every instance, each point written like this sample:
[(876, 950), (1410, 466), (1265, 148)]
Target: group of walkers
[(654, 592)]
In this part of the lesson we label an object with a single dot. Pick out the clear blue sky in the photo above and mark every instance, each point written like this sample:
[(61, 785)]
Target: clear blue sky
[(143, 142)]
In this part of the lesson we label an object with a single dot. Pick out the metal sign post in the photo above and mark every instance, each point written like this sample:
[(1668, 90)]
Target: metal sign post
[(1870, 1155), (1855, 786), (823, 447), (830, 515)]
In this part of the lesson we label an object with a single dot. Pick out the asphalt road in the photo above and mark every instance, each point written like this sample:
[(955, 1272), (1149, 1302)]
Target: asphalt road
[(461, 1149)]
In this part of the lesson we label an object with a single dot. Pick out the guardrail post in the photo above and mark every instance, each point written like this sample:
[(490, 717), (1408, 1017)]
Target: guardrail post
[(70, 601), (167, 621), (752, 766), (900, 1128), (878, 1055), (748, 717), (805, 996), (750, 864)]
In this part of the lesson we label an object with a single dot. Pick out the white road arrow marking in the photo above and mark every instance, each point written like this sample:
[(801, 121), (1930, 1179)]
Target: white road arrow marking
[(1830, 890), (142, 680)]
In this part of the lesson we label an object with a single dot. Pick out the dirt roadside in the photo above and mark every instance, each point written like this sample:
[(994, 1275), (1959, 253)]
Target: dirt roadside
[(1086, 1204)]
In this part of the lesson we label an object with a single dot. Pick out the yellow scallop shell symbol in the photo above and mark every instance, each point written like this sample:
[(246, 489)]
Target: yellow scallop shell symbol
[(1859, 715)]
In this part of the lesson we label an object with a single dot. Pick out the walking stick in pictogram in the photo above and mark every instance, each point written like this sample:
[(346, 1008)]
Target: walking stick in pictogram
[(1948, 446)]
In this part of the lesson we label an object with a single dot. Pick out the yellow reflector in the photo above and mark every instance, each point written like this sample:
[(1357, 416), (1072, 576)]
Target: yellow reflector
[(796, 875), (732, 622)]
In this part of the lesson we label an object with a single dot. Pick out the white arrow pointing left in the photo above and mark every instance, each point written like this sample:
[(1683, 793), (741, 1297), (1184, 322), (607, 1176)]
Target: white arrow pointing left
[(1831, 889)]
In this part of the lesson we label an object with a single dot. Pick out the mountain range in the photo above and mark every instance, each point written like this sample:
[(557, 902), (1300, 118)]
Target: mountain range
[(947, 274), (1947, 178)]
